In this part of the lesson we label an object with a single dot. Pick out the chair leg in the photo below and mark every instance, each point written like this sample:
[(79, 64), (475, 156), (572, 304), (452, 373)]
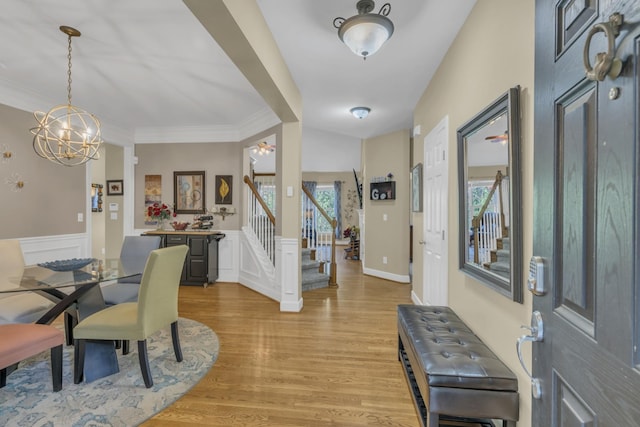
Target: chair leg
[(56, 367), (3, 377), (176, 341), (125, 347), (144, 363), (70, 321), (78, 361)]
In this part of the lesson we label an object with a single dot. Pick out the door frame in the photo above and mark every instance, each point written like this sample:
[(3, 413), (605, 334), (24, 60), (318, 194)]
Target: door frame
[(442, 128)]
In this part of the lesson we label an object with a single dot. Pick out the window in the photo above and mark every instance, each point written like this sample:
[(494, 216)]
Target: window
[(326, 197)]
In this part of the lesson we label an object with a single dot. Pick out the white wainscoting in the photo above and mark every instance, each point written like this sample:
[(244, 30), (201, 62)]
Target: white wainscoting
[(229, 257), (52, 248), (256, 270)]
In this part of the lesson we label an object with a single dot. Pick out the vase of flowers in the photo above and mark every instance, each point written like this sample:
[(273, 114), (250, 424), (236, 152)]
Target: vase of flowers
[(352, 232), (160, 213)]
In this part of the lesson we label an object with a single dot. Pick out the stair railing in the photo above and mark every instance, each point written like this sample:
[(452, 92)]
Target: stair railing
[(488, 238), (324, 245), (261, 219)]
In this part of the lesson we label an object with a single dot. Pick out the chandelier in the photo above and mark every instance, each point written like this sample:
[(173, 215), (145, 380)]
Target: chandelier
[(67, 135), (263, 148), (365, 32)]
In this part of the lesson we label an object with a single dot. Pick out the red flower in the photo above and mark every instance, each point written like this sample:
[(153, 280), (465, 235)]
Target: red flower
[(158, 212)]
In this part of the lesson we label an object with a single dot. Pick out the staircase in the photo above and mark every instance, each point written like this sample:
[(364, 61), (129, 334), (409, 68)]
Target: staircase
[(501, 258), (312, 278)]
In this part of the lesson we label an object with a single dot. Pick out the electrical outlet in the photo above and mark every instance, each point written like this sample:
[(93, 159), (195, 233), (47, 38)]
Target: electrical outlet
[(384, 217), (384, 259), (80, 217)]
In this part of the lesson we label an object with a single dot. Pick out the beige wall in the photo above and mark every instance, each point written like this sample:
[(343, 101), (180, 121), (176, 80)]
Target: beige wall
[(493, 52), (213, 159), (52, 196), (114, 170), (387, 238), (98, 219)]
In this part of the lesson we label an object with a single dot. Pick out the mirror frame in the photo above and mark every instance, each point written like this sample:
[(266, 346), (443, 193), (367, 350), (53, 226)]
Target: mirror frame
[(96, 197), (508, 103)]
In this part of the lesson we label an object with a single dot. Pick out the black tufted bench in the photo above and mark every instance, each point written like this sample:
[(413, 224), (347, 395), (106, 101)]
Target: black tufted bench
[(451, 372)]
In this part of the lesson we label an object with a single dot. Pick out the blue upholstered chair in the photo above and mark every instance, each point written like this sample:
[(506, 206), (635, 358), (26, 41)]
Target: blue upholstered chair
[(133, 255)]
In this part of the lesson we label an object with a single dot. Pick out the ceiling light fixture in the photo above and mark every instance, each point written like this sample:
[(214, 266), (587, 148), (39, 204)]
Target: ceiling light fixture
[(360, 112), (67, 135), (365, 32), (263, 148)]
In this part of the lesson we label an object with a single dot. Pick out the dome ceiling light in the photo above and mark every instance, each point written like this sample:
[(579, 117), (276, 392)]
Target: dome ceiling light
[(360, 112), (67, 135), (365, 32)]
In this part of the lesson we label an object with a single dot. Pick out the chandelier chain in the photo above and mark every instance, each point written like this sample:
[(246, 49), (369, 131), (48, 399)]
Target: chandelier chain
[(69, 73)]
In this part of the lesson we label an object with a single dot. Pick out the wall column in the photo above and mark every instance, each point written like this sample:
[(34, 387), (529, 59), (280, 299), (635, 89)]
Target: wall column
[(288, 184)]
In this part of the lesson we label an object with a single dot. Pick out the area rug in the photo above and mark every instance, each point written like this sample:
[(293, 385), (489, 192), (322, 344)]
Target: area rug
[(117, 400)]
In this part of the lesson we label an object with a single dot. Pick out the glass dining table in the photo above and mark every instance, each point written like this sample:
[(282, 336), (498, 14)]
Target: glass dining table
[(81, 288)]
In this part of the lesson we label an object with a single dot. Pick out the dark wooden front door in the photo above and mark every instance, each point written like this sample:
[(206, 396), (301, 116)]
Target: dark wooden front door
[(586, 225)]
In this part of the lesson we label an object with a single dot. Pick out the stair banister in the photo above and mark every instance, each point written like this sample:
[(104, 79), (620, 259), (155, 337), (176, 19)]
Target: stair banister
[(334, 224), (258, 197), (475, 221)]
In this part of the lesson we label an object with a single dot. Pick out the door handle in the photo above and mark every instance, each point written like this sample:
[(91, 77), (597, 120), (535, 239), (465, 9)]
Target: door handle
[(537, 335), (606, 63)]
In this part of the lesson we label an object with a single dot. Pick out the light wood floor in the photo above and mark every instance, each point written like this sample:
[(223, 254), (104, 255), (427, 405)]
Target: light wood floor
[(333, 364)]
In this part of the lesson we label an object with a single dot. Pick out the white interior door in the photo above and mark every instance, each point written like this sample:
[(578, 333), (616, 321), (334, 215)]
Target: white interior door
[(434, 252)]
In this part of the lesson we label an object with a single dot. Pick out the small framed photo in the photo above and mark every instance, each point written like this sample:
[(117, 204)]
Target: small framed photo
[(115, 187), (416, 188)]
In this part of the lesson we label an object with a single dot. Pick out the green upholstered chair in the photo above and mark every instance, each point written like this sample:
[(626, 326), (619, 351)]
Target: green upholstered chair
[(156, 308), (133, 255)]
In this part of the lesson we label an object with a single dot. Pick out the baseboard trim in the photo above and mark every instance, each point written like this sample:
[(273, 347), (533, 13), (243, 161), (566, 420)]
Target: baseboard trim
[(386, 275)]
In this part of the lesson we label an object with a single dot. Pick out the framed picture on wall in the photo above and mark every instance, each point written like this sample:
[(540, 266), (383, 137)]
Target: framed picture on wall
[(416, 188), (189, 192), (224, 189), (115, 187)]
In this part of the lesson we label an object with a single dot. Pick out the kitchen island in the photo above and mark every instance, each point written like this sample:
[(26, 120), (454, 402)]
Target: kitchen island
[(201, 264)]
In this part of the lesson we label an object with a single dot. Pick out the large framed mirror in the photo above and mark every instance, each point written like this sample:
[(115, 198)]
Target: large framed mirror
[(489, 193)]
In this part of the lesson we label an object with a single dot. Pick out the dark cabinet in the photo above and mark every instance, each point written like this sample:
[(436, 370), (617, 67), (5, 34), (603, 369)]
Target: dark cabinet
[(201, 264)]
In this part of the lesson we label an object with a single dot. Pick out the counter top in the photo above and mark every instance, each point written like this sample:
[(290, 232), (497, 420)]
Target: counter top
[(188, 231)]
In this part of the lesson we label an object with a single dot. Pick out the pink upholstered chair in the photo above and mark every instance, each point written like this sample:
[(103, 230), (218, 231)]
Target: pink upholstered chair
[(20, 341)]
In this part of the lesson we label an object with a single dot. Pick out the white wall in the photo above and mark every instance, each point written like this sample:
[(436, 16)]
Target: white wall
[(319, 150)]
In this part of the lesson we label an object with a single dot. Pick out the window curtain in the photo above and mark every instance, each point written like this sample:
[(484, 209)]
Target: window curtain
[(337, 212), (309, 213)]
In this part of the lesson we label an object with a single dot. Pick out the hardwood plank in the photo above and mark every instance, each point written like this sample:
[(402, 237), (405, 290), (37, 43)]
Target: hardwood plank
[(333, 364)]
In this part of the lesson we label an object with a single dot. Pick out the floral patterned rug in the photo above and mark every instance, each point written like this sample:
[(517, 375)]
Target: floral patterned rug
[(117, 400)]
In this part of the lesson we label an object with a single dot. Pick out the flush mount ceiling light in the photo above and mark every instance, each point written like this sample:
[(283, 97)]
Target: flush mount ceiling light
[(67, 135), (263, 148), (365, 32), (360, 112)]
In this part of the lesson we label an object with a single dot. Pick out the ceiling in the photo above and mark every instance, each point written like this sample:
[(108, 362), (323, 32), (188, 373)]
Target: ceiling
[(151, 72)]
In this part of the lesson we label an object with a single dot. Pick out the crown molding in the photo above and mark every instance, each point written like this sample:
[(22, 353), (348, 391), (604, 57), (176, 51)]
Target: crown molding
[(27, 100), (263, 119)]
